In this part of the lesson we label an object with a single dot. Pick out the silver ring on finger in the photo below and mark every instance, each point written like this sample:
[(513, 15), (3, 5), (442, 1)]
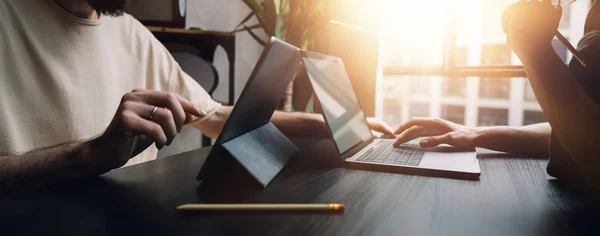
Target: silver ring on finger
[(153, 112)]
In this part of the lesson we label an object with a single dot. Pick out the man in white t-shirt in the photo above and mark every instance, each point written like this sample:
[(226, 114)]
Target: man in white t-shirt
[(85, 88)]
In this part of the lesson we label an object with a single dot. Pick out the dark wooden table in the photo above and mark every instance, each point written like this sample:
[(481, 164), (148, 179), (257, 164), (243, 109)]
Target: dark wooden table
[(513, 197)]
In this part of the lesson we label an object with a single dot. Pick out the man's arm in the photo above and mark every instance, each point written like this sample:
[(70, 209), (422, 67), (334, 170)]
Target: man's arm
[(47, 166), (290, 123), (530, 140), (299, 124), (144, 117)]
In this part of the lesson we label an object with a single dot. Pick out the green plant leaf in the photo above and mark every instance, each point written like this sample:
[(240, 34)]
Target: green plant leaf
[(277, 4), (281, 26), (258, 10), (270, 17), (280, 29), (255, 6)]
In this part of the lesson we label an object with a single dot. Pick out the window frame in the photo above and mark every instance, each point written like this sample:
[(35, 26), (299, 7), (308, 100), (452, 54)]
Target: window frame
[(449, 68)]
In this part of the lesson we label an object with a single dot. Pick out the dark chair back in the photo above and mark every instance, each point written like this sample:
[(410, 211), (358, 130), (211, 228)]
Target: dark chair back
[(200, 70)]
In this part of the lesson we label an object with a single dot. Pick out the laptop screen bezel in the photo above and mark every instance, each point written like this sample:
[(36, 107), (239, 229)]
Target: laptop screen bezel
[(363, 143)]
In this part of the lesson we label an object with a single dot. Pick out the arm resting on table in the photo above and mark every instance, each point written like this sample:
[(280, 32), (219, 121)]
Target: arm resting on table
[(290, 123), (47, 165), (530, 140)]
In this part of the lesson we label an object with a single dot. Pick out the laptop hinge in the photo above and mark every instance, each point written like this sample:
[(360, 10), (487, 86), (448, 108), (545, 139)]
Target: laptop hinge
[(350, 152)]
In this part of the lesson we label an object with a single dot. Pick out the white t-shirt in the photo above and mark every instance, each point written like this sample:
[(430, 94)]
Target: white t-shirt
[(62, 77)]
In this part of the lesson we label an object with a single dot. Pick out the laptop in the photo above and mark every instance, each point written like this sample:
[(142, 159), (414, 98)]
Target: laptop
[(354, 141), (266, 86)]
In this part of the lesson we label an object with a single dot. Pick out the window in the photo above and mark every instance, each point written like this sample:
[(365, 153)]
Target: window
[(495, 54), (533, 117), (492, 116), (419, 109), (454, 87), (453, 113), (449, 59)]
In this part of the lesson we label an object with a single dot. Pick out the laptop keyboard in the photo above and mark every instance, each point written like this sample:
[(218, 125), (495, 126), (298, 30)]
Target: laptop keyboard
[(409, 154)]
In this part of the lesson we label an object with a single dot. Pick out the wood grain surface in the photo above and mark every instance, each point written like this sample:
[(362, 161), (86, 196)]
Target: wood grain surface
[(513, 197)]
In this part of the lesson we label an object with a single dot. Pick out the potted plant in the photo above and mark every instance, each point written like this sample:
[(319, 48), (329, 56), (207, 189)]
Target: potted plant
[(318, 25), (302, 23)]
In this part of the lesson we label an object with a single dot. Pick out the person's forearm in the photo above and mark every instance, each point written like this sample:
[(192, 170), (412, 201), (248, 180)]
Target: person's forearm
[(46, 166), (290, 123), (300, 124), (572, 114), (530, 140), (214, 124)]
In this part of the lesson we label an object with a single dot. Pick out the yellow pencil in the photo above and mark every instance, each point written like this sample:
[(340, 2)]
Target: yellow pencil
[(263, 207)]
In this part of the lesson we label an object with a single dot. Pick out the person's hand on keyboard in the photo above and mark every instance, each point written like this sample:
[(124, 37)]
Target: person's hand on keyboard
[(437, 131), (380, 129)]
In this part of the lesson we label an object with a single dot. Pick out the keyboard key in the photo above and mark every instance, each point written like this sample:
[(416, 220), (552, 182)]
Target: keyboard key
[(413, 163), (419, 153), (373, 152), (406, 156), (402, 161), (395, 155), (384, 152), (416, 158), (364, 155)]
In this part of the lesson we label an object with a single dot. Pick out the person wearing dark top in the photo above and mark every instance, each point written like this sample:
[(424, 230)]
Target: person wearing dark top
[(568, 94)]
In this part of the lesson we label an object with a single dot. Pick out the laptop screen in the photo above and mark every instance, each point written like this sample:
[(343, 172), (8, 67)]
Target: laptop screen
[(339, 102)]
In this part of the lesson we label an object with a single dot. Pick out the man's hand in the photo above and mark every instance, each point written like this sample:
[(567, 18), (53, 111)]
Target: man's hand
[(438, 131), (380, 129), (134, 126), (132, 130), (530, 25), (213, 126)]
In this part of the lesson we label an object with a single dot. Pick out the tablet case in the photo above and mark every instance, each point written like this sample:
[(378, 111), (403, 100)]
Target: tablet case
[(263, 152), (248, 138)]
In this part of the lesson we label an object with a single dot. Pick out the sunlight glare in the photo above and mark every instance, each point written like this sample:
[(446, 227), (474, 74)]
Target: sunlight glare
[(416, 27), (414, 23)]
